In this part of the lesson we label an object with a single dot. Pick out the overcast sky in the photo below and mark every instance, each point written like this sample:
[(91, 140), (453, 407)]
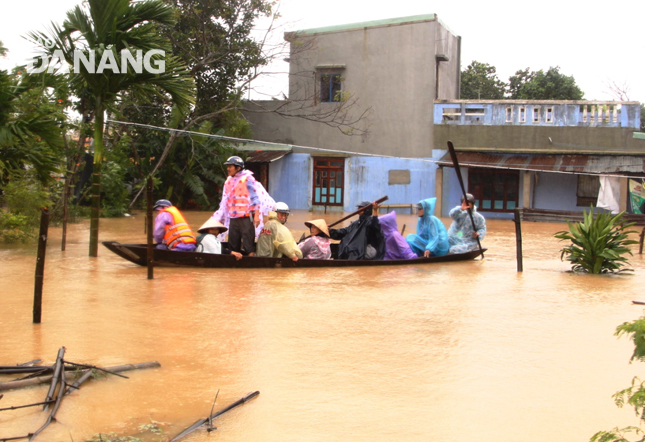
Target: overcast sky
[(596, 43)]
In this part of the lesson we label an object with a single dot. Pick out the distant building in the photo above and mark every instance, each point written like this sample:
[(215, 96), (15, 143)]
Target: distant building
[(539, 154)]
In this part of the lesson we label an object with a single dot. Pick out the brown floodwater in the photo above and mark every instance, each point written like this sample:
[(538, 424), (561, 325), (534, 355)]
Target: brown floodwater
[(448, 352)]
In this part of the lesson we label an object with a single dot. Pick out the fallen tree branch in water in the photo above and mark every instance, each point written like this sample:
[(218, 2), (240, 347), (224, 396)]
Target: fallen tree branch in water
[(70, 375), (201, 422)]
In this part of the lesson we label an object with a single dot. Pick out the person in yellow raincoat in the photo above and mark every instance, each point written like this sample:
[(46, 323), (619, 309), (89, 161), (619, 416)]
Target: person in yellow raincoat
[(276, 241)]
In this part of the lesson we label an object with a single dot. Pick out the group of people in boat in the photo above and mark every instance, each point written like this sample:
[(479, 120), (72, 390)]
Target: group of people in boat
[(255, 224)]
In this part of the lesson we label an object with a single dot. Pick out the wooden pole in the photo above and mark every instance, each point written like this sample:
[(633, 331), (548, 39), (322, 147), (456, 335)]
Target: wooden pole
[(40, 266), (149, 228), (640, 247), (65, 212), (518, 239)]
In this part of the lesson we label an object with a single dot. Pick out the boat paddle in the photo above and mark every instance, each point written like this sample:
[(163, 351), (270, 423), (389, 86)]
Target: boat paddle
[(360, 209), (455, 163)]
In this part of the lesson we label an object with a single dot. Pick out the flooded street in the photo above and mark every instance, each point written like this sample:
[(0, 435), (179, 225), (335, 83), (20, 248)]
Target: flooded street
[(446, 352)]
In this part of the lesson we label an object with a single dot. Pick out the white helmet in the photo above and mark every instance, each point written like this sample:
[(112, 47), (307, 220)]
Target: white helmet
[(282, 208)]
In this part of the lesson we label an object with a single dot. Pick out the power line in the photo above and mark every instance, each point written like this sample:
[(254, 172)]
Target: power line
[(320, 149)]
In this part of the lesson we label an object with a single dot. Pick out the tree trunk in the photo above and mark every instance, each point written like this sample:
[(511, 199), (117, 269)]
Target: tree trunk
[(96, 179)]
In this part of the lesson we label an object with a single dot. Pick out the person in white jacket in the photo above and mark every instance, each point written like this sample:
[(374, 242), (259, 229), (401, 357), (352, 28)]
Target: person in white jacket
[(207, 241)]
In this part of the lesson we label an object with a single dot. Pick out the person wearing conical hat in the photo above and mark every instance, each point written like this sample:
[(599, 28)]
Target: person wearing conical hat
[(207, 241), (317, 245)]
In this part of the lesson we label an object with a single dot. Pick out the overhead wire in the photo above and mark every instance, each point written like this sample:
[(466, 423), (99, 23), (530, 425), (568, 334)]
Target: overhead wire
[(535, 168)]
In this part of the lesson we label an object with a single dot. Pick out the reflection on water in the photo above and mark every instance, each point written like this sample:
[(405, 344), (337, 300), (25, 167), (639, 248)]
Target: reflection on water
[(450, 352)]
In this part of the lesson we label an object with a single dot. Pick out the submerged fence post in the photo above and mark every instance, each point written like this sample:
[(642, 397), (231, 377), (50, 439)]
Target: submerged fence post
[(149, 228), (40, 265), (518, 238)]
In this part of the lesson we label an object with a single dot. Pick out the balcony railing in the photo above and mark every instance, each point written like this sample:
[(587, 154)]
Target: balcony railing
[(538, 113)]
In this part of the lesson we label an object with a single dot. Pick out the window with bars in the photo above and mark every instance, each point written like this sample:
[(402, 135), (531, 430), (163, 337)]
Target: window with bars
[(494, 190), (328, 181), (330, 87)]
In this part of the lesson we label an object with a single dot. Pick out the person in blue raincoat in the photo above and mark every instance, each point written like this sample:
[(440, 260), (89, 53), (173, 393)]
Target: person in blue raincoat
[(431, 238)]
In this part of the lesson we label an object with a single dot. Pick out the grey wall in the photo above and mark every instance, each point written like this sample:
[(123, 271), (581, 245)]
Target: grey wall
[(390, 69)]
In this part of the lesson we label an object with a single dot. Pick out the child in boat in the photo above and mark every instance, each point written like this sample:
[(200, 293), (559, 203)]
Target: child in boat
[(461, 235), (431, 238), (396, 247), (317, 245), (207, 241)]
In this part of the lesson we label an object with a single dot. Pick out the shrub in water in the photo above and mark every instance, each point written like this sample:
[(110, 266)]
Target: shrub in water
[(598, 243)]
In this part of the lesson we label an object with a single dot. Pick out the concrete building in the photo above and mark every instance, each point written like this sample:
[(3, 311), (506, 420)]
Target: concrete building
[(547, 155), (358, 88)]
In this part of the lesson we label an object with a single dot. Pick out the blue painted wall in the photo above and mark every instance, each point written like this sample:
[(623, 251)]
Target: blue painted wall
[(556, 191), (369, 180), (366, 178), (289, 180)]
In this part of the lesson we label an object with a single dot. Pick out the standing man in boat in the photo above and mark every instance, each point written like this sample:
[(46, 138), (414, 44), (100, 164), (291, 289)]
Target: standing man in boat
[(462, 237), (431, 238), (243, 202), (171, 230), (363, 239)]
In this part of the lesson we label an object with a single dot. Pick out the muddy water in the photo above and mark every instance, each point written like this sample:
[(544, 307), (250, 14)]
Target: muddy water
[(452, 352)]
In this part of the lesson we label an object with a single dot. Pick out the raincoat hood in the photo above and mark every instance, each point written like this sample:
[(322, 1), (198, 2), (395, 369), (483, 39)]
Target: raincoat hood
[(396, 246), (428, 207)]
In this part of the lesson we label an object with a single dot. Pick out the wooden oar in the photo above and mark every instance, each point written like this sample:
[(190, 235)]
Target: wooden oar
[(360, 209), (455, 164)]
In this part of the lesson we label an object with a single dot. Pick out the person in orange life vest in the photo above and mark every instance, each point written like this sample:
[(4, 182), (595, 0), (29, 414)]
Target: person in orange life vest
[(243, 201), (171, 229)]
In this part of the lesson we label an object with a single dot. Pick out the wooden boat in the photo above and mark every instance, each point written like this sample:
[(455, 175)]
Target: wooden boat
[(137, 254)]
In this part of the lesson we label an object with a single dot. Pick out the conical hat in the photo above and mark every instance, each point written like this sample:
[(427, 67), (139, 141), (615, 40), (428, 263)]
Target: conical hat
[(212, 223), (320, 223)]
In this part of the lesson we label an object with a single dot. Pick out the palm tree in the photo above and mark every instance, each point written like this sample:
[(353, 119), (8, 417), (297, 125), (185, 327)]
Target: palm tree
[(116, 26), (30, 132)]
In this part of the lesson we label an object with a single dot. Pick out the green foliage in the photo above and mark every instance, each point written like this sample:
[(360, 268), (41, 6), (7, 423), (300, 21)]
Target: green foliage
[(598, 243), (633, 396), (552, 85), (213, 38), (25, 197), (31, 117), (15, 228), (479, 82)]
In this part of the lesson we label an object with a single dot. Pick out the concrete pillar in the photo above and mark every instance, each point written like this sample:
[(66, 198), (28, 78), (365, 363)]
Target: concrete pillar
[(526, 190), (624, 194), (438, 191)]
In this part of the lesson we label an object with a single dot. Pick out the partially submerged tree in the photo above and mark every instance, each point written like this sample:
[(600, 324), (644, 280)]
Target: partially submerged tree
[(114, 26), (479, 82)]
